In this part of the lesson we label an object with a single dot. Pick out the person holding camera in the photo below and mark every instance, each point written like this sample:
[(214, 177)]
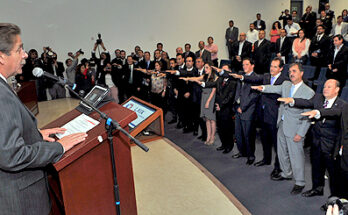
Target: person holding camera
[(100, 62), (71, 64), (53, 66)]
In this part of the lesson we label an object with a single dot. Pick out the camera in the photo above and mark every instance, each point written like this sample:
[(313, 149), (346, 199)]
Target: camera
[(99, 40), (341, 203), (81, 52)]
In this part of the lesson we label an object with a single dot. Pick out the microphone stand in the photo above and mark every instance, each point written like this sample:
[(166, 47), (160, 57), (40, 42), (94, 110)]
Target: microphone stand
[(110, 126)]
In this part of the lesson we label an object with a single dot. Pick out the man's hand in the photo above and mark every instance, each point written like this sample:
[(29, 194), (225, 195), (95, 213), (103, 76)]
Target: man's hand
[(259, 88), (238, 58), (286, 100), (234, 75), (310, 114), (315, 54), (217, 107), (176, 92), (334, 70), (279, 55), (138, 89), (239, 110), (47, 132), (171, 71), (297, 138), (71, 140), (329, 66), (163, 94), (187, 95)]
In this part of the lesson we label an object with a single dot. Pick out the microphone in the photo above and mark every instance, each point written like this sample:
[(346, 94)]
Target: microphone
[(38, 72)]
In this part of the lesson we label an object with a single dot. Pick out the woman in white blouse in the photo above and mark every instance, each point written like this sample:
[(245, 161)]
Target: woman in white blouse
[(300, 48)]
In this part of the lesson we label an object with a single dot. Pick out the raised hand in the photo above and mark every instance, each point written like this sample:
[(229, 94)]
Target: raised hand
[(259, 88), (234, 75), (310, 114), (286, 100)]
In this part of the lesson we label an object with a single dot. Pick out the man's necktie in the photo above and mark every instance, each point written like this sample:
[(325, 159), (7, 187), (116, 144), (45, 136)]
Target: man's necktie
[(272, 80), (292, 91), (325, 104)]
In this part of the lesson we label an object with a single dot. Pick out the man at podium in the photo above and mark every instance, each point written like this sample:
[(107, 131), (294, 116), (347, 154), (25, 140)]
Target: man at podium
[(25, 151)]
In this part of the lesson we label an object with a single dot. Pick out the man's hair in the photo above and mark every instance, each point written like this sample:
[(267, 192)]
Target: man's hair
[(321, 26), (160, 44), (339, 36), (67, 60), (172, 59), (258, 14), (300, 67), (147, 52), (339, 17), (200, 59), (188, 44), (231, 21), (130, 56), (8, 32), (122, 51), (251, 61), (180, 55), (281, 62)]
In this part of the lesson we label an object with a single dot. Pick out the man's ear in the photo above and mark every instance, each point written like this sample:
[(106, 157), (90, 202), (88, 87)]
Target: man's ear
[(2, 58)]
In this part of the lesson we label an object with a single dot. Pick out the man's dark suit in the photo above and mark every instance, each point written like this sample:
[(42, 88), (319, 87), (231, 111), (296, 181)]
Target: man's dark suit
[(206, 55), (325, 142), (262, 25), (308, 23), (246, 100), (23, 158), (343, 145), (132, 86), (268, 115), (185, 105), (246, 52), (339, 63), (196, 100), (231, 35), (262, 56), (285, 49), (321, 47), (59, 72), (225, 95)]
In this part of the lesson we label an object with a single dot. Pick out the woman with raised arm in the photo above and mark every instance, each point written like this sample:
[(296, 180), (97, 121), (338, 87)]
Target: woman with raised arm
[(158, 86), (207, 102)]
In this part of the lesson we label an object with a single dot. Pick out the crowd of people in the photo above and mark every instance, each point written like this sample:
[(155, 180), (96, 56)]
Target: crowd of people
[(250, 91)]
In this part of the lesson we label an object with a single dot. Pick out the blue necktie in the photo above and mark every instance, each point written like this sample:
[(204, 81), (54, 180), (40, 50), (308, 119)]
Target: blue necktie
[(292, 91), (272, 80)]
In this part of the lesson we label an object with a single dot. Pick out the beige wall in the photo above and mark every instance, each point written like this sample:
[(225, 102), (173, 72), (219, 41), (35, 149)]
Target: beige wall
[(69, 25)]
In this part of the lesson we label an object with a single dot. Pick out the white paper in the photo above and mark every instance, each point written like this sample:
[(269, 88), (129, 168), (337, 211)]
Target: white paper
[(82, 123)]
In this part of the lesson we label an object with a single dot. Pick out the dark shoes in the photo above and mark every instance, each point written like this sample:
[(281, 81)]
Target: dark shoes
[(279, 177), (296, 189), (220, 148), (172, 121), (275, 172), (195, 133), (262, 163), (179, 125), (227, 151), (313, 192), (187, 130), (250, 161), (238, 155)]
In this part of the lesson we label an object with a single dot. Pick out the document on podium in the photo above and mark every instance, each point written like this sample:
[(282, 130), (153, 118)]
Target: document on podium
[(82, 123)]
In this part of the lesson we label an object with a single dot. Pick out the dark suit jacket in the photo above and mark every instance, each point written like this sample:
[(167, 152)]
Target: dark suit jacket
[(262, 52), (100, 74), (262, 24), (340, 64), (269, 102), (323, 45), (23, 158), (327, 129), (286, 47), (206, 56), (137, 75), (190, 54), (225, 93), (59, 72), (246, 50), (185, 86), (231, 35), (248, 98), (343, 114)]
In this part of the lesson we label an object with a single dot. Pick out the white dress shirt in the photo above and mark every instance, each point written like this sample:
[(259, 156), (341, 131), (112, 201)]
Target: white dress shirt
[(252, 36)]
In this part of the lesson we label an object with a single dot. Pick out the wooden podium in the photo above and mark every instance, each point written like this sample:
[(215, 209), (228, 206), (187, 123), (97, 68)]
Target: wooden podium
[(82, 181)]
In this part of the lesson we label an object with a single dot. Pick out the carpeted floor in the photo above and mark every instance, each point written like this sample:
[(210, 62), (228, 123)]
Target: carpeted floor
[(251, 185)]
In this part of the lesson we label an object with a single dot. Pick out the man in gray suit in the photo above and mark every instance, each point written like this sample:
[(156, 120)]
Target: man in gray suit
[(202, 53), (292, 127), (231, 36), (25, 151), (340, 28)]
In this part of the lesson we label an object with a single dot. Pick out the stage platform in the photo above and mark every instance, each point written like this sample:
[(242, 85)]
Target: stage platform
[(167, 179)]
